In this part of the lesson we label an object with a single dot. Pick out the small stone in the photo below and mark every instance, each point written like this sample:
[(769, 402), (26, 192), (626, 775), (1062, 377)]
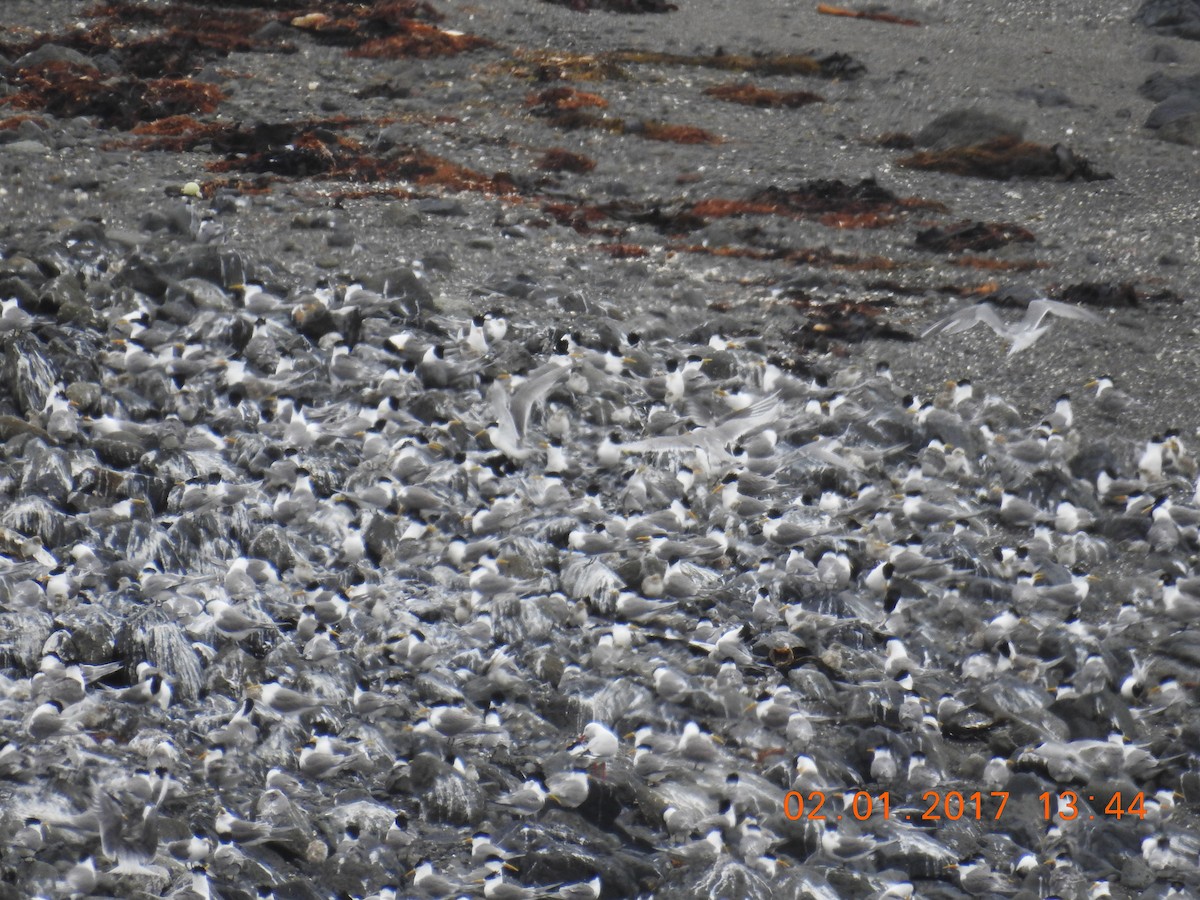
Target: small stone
[(53, 53), (25, 148), (438, 261), (119, 449), (401, 215), (442, 207), (272, 545)]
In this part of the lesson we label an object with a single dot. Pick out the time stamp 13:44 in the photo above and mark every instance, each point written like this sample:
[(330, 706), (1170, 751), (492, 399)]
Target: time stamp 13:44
[(1063, 806)]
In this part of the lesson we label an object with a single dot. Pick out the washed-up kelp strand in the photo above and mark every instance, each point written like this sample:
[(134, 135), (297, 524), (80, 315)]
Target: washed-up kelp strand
[(544, 66), (420, 41), (828, 323), (835, 65), (896, 140), (66, 90), (675, 134), (1108, 294), (13, 122), (348, 24), (314, 149), (553, 65), (832, 195), (186, 133), (832, 202), (765, 98), (386, 31), (556, 159), (568, 109), (190, 33), (920, 288), (564, 99), (844, 320), (623, 251), (826, 10), (974, 236), (1005, 158)]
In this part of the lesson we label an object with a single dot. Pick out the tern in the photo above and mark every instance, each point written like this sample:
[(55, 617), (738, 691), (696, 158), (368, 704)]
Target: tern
[(1023, 334)]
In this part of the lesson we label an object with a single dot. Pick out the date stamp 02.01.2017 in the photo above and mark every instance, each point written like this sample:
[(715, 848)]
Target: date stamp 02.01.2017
[(1064, 806)]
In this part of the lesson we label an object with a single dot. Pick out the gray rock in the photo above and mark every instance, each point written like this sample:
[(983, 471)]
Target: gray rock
[(438, 261), (442, 207), (24, 267), (965, 128), (1161, 53), (402, 285), (220, 266), (1174, 107), (401, 215), (119, 448), (19, 289), (25, 148), (29, 371), (1177, 18), (60, 291), (202, 294), (53, 53), (94, 633), (156, 639), (271, 544), (1160, 86), (31, 131), (1182, 130)]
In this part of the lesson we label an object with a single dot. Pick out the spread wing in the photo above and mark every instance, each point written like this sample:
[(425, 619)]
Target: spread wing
[(1039, 309), (968, 317)]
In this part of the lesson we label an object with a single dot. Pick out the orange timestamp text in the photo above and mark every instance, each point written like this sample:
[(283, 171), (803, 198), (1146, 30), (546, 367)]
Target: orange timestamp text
[(954, 805)]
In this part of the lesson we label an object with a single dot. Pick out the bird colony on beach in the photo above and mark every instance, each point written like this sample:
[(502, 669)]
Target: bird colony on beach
[(330, 594)]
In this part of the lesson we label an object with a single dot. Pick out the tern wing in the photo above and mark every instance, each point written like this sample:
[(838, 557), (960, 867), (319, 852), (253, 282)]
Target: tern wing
[(966, 318), (533, 391), (501, 402), (1039, 309), (756, 415)]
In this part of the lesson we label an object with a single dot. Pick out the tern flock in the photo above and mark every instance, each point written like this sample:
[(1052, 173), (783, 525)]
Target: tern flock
[(330, 594)]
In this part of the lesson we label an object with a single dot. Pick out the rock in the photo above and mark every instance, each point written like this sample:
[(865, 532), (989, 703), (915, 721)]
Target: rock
[(1174, 107), (30, 371), (1160, 86), (119, 448), (220, 266), (154, 637), (53, 53), (966, 128), (271, 544), (1177, 18), (25, 148), (442, 207), (93, 633), (1182, 130), (1161, 53), (405, 288), (402, 215)]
